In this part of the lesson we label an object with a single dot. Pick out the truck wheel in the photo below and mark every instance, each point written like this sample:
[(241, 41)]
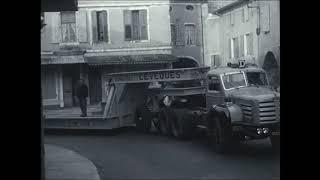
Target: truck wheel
[(220, 136), (182, 127), (163, 122), (143, 119)]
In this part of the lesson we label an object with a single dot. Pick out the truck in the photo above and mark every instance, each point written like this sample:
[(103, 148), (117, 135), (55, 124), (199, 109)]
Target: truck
[(230, 104)]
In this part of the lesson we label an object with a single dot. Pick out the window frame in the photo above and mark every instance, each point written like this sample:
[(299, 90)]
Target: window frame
[(147, 25), (220, 84), (108, 27), (173, 40), (236, 72), (195, 34), (76, 42)]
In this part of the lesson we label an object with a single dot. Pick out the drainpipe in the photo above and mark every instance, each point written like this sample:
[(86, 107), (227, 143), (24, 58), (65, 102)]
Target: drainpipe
[(258, 24), (202, 36)]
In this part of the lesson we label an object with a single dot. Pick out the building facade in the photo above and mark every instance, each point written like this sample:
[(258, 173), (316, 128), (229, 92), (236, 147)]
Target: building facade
[(101, 37), (244, 29), (186, 31)]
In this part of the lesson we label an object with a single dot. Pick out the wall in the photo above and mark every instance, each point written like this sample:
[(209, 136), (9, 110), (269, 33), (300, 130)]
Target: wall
[(180, 12), (158, 26), (261, 44)]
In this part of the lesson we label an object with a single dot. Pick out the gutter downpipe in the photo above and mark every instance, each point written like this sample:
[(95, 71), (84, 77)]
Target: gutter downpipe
[(202, 35)]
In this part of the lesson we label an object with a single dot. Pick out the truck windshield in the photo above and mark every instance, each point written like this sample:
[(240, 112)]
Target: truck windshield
[(234, 80), (257, 79)]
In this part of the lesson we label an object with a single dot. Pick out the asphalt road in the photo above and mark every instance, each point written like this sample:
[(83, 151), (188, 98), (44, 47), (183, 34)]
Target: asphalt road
[(127, 154)]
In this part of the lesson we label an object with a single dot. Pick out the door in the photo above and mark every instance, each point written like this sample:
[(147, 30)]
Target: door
[(214, 93), (67, 91), (95, 86)]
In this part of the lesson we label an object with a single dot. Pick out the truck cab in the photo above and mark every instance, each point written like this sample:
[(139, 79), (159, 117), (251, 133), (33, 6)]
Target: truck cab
[(243, 102)]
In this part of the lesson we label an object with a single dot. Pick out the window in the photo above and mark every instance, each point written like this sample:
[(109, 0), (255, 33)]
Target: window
[(215, 60), (135, 25), (242, 45), (100, 26), (265, 18), (234, 80), (173, 34), (231, 18), (214, 84), (257, 79), (190, 37), (249, 44), (235, 47), (189, 7), (68, 27)]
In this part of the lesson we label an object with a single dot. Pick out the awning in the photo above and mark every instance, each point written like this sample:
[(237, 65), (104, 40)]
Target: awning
[(56, 59), (131, 59)]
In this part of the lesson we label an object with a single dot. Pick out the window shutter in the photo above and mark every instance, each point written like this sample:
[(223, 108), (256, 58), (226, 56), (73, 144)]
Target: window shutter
[(265, 18), (55, 27), (232, 18), (135, 25), (241, 46), (143, 24), (81, 22), (127, 24), (230, 50), (246, 14), (105, 26), (94, 26)]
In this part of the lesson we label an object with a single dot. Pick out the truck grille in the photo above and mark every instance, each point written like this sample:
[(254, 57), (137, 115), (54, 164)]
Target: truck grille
[(247, 111), (267, 111)]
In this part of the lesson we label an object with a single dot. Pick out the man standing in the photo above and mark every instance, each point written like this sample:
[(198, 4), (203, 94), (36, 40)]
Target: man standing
[(82, 94)]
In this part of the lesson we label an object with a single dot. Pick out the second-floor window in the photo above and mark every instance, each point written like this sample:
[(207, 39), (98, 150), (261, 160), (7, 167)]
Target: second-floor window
[(135, 25), (68, 27), (100, 26), (173, 34), (190, 34)]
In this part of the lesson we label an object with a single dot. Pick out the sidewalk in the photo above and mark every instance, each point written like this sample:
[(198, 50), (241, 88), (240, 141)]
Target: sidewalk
[(92, 111), (64, 164)]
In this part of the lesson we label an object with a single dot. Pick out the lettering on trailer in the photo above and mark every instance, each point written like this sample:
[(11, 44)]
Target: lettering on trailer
[(160, 75)]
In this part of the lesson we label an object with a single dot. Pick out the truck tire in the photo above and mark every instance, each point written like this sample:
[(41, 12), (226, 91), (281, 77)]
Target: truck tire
[(163, 121), (143, 119), (220, 135), (182, 126)]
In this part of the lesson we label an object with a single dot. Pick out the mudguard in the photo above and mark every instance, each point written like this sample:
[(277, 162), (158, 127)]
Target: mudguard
[(232, 111)]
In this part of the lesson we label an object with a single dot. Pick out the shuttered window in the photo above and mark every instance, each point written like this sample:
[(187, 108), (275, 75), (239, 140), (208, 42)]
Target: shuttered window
[(190, 34), (68, 27), (100, 26), (249, 43), (236, 47), (173, 34), (242, 51), (135, 25)]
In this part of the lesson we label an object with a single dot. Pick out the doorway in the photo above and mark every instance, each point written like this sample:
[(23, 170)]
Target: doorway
[(71, 74), (270, 65)]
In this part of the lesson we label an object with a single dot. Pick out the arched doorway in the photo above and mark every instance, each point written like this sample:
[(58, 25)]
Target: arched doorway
[(271, 66), (185, 62)]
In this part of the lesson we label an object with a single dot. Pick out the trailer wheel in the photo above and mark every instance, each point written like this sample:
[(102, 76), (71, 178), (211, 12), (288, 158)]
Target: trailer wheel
[(163, 121), (220, 135), (182, 127), (143, 119)]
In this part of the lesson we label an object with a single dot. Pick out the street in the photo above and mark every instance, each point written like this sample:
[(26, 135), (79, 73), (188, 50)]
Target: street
[(129, 154)]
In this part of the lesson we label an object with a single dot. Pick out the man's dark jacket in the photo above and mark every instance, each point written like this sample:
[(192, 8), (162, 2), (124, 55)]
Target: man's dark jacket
[(82, 91)]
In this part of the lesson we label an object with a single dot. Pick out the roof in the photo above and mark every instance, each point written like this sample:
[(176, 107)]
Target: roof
[(130, 59), (231, 6), (222, 70)]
